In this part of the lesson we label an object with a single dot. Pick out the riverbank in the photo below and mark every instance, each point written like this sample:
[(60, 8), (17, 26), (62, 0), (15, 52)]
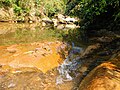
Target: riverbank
[(101, 62), (29, 57)]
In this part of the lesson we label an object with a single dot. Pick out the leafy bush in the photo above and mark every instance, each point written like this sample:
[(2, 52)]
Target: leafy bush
[(17, 9), (48, 7), (5, 3), (53, 6), (95, 12)]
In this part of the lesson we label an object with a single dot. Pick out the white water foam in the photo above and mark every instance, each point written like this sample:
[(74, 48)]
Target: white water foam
[(68, 66), (64, 75), (65, 70)]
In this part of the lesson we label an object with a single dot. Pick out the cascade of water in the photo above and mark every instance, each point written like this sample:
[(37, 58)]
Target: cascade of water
[(70, 64)]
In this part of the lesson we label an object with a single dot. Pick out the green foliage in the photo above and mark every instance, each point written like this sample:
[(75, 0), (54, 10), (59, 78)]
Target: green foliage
[(53, 6), (92, 10), (71, 4), (66, 1), (5, 3), (17, 9), (25, 7)]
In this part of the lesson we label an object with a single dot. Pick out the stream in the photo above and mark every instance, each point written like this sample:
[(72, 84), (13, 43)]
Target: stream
[(29, 59)]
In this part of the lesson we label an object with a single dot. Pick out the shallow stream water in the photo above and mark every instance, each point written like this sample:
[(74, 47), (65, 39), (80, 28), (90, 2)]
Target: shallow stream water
[(29, 59)]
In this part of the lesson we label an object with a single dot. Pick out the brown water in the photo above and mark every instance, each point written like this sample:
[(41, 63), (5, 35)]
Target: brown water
[(29, 58)]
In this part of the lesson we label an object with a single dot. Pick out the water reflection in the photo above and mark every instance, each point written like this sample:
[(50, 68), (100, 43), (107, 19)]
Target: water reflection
[(24, 33)]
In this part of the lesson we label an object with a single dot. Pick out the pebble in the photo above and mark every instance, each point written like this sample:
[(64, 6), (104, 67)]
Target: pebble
[(11, 85), (11, 50)]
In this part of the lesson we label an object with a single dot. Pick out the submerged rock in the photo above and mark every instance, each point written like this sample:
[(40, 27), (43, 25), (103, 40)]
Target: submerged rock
[(47, 20), (61, 26)]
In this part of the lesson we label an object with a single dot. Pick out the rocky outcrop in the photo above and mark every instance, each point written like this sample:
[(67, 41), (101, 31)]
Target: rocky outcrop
[(8, 15), (103, 62), (104, 77), (90, 50), (41, 55), (61, 22)]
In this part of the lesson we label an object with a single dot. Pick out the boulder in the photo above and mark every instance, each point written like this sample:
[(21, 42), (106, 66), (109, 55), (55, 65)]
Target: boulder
[(71, 26), (69, 19), (60, 16), (47, 20), (60, 26), (55, 21), (104, 77), (90, 49), (43, 24)]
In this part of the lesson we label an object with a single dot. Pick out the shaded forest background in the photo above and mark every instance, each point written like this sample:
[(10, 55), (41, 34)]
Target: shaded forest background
[(93, 14)]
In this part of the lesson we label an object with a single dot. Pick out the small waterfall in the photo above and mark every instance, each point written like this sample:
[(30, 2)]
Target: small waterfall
[(67, 70)]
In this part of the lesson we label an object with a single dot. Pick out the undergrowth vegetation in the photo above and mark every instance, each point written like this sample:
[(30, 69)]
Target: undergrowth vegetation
[(93, 14), (96, 13), (47, 7)]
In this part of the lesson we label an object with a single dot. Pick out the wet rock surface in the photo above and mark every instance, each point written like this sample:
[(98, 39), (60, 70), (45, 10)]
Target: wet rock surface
[(33, 67), (104, 77), (30, 65), (30, 78), (75, 71), (31, 55), (103, 65), (61, 22)]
